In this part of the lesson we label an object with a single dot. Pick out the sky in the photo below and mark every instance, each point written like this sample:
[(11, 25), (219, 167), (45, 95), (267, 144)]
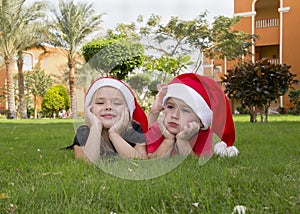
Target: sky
[(126, 11)]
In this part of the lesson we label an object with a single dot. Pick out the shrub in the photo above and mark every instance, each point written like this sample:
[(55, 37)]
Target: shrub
[(55, 99)]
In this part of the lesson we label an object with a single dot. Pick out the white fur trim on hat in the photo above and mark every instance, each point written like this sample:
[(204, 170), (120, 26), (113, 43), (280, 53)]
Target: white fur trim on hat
[(115, 84), (193, 99), (222, 150)]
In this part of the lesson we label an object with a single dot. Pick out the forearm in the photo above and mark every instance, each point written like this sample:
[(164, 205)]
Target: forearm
[(152, 117), (124, 149), (164, 150), (92, 147), (156, 108), (183, 147)]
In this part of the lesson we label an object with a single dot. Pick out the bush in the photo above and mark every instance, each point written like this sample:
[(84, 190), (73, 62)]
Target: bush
[(4, 112), (55, 99)]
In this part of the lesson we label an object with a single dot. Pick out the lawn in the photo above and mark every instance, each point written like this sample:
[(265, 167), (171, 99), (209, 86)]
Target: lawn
[(38, 177)]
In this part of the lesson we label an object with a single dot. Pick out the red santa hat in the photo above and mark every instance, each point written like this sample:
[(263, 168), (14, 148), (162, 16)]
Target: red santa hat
[(209, 102), (135, 111)]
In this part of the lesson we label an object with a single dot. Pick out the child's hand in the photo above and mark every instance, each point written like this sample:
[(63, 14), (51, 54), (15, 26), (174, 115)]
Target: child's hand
[(164, 131), (188, 131), (91, 119), (162, 91), (122, 124)]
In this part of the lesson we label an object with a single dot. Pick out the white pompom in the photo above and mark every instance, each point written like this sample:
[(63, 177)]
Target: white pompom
[(232, 151), (222, 150)]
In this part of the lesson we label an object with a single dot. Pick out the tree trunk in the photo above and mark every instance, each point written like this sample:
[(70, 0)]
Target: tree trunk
[(22, 99), (267, 114), (9, 64), (35, 106), (253, 114), (71, 65)]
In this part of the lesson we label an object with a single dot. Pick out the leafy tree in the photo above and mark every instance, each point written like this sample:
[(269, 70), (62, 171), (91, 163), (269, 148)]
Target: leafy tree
[(153, 87), (114, 57), (37, 83), (139, 83), (178, 39), (168, 64), (72, 24), (225, 41), (55, 99), (256, 85)]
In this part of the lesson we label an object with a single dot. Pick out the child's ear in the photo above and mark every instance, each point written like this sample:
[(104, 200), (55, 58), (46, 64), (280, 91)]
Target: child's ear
[(91, 108)]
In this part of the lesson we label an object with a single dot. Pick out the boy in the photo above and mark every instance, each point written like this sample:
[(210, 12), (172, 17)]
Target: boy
[(195, 107)]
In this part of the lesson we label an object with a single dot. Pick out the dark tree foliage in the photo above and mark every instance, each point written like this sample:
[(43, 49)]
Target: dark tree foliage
[(294, 96), (256, 85)]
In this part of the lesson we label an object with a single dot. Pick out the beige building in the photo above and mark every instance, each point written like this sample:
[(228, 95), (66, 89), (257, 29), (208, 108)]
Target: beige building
[(53, 61), (277, 24)]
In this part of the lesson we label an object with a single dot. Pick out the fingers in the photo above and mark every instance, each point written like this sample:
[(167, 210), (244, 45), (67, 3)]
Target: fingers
[(192, 126), (91, 119), (122, 123), (164, 130), (162, 87), (189, 131)]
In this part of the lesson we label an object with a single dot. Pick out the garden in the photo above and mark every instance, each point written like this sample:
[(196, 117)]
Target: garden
[(37, 176)]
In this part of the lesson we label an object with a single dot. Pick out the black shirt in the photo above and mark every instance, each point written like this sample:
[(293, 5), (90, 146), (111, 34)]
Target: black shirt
[(132, 136)]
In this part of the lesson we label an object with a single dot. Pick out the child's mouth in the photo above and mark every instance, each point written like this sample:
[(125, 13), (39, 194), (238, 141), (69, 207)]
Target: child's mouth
[(172, 124), (108, 116)]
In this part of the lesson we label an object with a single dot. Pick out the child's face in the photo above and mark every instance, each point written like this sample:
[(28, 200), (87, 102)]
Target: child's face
[(177, 115), (108, 104)]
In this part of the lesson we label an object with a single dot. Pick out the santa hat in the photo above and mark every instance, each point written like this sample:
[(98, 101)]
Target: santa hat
[(135, 111), (209, 102)]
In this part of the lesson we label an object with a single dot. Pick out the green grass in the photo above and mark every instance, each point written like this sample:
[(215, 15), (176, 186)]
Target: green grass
[(37, 177)]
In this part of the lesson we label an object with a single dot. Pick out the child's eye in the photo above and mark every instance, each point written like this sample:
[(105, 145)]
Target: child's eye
[(169, 106), (99, 103), (186, 110), (117, 103)]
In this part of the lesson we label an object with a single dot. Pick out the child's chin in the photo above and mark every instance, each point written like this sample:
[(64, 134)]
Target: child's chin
[(107, 125), (173, 131)]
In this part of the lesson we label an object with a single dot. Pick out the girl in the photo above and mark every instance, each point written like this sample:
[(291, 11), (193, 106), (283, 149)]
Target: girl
[(115, 123)]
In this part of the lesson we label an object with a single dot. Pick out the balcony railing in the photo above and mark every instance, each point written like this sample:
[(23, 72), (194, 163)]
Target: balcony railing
[(272, 61), (264, 23)]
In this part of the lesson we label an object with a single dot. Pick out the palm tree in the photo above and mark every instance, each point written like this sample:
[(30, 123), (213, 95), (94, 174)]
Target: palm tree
[(31, 36), (16, 20), (72, 24), (10, 25)]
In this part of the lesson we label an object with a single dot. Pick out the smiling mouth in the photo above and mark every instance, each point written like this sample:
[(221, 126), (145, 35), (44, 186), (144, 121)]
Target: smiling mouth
[(108, 116)]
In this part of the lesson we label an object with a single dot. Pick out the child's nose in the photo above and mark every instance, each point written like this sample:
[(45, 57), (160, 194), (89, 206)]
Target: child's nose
[(175, 113), (108, 106)]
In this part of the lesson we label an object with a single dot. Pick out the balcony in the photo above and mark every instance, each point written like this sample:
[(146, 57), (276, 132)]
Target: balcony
[(267, 23), (268, 31)]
